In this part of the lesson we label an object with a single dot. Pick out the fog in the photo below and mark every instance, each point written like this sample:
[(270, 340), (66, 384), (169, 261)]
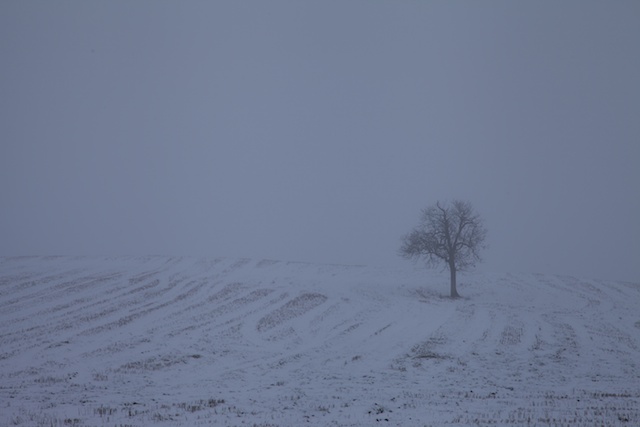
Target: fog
[(316, 131)]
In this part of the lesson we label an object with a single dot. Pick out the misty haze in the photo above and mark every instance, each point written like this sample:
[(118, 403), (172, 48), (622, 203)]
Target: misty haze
[(203, 206)]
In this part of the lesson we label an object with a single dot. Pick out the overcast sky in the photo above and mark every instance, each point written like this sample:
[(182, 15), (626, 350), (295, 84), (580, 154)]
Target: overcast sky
[(317, 130)]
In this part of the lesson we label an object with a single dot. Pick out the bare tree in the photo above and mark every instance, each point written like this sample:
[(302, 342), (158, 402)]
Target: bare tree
[(450, 233)]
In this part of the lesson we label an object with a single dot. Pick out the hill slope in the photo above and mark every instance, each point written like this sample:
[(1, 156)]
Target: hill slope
[(172, 341)]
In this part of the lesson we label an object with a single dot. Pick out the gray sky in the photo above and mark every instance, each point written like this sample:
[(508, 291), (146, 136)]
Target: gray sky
[(316, 131)]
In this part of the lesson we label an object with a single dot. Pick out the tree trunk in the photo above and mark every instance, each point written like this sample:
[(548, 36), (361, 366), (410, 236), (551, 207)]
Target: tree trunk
[(454, 291)]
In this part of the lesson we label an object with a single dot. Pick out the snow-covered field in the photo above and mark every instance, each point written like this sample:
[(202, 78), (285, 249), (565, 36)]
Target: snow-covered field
[(187, 342)]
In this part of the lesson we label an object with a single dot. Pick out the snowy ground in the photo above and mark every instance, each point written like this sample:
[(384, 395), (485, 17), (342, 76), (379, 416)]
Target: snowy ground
[(187, 342)]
